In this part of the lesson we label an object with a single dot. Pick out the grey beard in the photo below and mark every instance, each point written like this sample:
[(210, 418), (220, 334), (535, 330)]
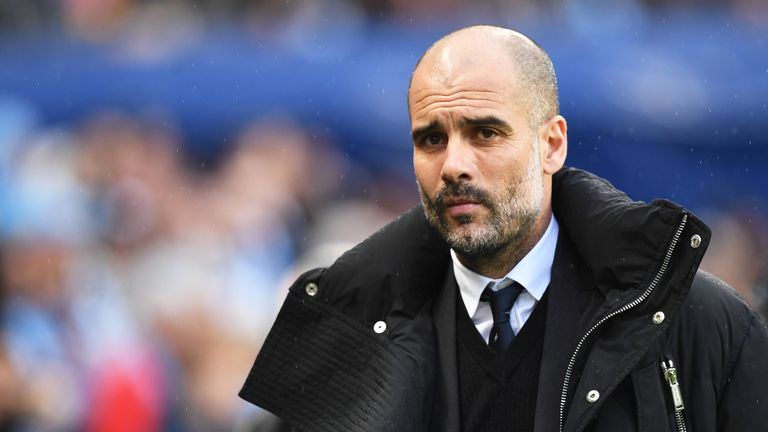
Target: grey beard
[(507, 225)]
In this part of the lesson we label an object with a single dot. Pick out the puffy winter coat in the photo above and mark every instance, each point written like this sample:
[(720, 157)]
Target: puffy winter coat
[(640, 340)]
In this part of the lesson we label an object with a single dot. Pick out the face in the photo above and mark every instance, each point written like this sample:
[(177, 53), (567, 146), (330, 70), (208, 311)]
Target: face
[(476, 158)]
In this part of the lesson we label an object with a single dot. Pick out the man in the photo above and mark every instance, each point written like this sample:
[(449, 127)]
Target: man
[(523, 295)]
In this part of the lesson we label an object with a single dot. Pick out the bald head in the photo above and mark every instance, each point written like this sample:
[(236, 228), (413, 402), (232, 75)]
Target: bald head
[(522, 65)]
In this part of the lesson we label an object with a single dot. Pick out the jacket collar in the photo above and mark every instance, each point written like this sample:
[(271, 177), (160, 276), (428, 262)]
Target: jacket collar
[(619, 239)]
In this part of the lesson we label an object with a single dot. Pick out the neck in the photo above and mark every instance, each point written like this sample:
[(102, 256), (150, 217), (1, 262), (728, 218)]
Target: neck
[(498, 264)]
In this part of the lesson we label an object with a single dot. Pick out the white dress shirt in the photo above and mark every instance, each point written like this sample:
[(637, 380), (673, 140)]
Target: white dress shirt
[(533, 272)]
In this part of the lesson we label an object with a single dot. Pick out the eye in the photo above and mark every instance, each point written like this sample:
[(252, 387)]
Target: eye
[(433, 139), (487, 133)]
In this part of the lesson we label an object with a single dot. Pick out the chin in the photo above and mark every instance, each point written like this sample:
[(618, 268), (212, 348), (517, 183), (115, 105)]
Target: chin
[(475, 217), (468, 231)]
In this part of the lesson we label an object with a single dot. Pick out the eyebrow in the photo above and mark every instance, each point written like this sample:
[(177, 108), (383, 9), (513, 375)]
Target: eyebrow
[(485, 121), (418, 133)]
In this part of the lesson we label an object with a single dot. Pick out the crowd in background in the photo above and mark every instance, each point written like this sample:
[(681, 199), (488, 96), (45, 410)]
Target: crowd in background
[(136, 287), (100, 18), (137, 283)]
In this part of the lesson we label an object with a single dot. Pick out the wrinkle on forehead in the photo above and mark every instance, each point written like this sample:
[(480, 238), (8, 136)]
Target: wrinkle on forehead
[(451, 95), (462, 98)]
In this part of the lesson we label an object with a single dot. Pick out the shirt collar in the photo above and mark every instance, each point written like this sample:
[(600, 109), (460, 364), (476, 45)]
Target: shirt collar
[(533, 272)]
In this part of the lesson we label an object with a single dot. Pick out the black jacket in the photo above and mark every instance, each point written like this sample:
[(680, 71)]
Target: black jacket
[(355, 348)]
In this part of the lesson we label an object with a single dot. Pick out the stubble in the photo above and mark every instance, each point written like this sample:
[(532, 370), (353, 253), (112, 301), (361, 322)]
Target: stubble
[(512, 213)]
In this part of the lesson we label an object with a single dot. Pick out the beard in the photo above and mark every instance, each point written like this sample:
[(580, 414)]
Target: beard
[(512, 213)]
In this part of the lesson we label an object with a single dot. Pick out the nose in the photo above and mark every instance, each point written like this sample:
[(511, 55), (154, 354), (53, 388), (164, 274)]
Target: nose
[(458, 163)]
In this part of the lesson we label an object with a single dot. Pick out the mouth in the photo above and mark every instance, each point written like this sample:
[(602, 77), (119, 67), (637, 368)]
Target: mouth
[(458, 205)]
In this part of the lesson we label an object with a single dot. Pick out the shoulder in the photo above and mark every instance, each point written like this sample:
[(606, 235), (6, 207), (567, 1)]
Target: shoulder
[(715, 299), (716, 322)]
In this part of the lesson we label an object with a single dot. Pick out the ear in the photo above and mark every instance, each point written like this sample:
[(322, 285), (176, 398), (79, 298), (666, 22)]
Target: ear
[(553, 144)]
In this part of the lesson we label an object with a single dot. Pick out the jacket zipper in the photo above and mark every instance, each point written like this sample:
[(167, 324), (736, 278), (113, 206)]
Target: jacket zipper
[(634, 303), (670, 375)]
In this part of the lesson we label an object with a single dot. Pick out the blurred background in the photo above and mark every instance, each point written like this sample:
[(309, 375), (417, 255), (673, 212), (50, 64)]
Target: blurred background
[(167, 167)]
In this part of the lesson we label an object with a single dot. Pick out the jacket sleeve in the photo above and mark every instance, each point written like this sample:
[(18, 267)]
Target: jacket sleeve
[(321, 371), (743, 404)]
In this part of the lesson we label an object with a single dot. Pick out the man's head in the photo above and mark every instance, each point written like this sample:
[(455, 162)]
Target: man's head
[(487, 138)]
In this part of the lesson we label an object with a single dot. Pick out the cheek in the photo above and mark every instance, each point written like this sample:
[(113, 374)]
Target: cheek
[(426, 171), (424, 187)]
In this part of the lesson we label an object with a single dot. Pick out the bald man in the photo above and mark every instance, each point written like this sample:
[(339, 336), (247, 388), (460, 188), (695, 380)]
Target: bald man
[(521, 295)]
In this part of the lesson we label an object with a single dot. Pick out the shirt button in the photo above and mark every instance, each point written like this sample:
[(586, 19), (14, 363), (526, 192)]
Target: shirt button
[(380, 327), (311, 289), (593, 396)]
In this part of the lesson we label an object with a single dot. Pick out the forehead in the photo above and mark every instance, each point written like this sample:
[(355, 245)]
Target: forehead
[(463, 79)]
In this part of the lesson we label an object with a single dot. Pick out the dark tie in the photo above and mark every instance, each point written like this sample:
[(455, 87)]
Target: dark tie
[(501, 302)]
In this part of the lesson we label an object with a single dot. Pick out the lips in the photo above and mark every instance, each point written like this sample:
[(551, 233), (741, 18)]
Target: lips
[(458, 205), (457, 201)]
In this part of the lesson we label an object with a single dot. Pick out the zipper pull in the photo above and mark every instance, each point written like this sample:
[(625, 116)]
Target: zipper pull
[(670, 375)]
